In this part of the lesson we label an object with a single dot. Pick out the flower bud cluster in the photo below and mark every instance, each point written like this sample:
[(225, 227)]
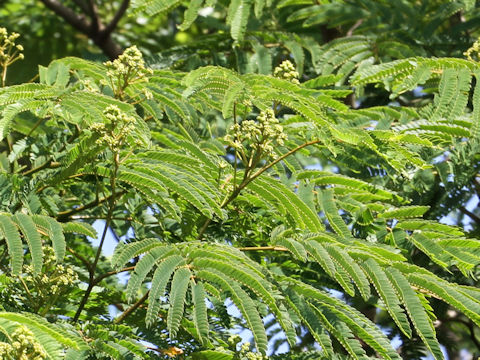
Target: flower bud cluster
[(286, 70), (473, 50), (126, 69), (54, 280), (9, 51), (246, 354), (89, 85), (24, 346), (118, 125), (259, 135)]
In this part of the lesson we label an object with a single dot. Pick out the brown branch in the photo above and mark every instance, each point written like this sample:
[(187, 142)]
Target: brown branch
[(110, 273), (476, 184), (81, 258), (48, 164), (65, 215), (474, 217), (96, 23), (277, 160), (131, 309), (93, 29), (354, 27), (248, 179), (70, 16), (116, 18), (470, 327), (81, 5)]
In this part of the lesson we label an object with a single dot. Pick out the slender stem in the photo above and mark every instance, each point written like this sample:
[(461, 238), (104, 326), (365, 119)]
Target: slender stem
[(131, 309), (203, 228), (48, 164), (34, 127), (262, 248), (247, 179), (116, 18), (33, 78), (78, 217), (27, 291), (108, 221), (65, 215), (82, 259), (277, 160), (235, 165), (49, 305), (110, 273), (474, 217), (4, 75)]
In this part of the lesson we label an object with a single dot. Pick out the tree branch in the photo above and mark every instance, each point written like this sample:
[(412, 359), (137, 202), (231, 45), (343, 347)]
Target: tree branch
[(131, 309), (96, 23), (48, 164), (474, 217), (81, 258), (65, 215), (248, 179), (277, 160), (110, 273), (81, 5), (469, 325), (114, 22), (70, 16), (94, 29)]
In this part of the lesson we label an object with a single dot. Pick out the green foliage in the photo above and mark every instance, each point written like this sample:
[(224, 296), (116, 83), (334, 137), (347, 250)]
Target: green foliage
[(301, 202)]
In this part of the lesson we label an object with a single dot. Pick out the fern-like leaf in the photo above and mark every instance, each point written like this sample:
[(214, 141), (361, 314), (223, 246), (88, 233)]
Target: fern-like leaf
[(416, 312), (180, 283), (200, 312), (31, 235), (160, 280), (55, 233), (14, 243), (388, 294), (143, 267)]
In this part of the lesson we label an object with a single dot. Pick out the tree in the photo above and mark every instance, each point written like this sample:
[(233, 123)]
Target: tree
[(295, 175)]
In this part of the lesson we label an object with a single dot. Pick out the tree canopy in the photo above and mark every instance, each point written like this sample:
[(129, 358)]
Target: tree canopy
[(304, 173)]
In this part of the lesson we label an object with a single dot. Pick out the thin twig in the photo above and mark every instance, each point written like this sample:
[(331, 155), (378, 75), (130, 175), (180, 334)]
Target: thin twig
[(470, 327), (108, 221), (81, 258), (203, 228), (248, 179), (80, 217), (67, 14), (354, 27), (474, 217), (277, 160), (65, 215), (131, 309), (235, 161), (110, 273), (96, 23), (34, 127), (116, 18), (50, 164), (263, 248)]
